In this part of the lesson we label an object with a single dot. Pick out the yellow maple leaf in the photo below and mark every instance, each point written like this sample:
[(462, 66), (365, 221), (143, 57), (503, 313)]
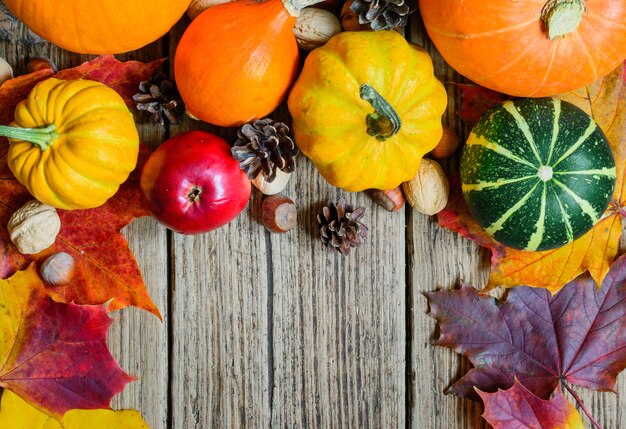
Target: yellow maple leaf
[(15, 413)]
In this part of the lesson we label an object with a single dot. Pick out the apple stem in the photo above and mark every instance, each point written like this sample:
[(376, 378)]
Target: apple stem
[(579, 401), (194, 194)]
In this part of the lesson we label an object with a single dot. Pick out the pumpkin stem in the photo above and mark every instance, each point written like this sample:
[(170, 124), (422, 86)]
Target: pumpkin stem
[(562, 17), (384, 122), (294, 6), (43, 137), (545, 173)]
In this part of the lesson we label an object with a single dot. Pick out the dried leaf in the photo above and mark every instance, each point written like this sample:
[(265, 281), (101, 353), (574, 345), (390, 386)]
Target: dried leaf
[(578, 335), (17, 413), (106, 268), (476, 100), (518, 407), (605, 100), (122, 77), (54, 355)]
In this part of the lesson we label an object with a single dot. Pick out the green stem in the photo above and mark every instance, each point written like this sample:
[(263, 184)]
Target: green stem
[(562, 17), (43, 137), (384, 122)]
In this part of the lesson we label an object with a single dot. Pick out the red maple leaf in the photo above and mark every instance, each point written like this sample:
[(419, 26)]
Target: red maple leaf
[(105, 267), (577, 336), (518, 407), (476, 101), (55, 355)]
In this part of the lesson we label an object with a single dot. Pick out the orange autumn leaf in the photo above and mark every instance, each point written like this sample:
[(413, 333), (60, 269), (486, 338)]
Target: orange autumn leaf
[(605, 101), (105, 267)]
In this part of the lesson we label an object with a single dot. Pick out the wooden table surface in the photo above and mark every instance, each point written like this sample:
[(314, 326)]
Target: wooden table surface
[(269, 331)]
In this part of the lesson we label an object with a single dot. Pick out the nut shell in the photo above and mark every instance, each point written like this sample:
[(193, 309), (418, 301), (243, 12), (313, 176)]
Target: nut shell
[(34, 227), (314, 27), (276, 186), (58, 269), (448, 144), (198, 6), (6, 71), (279, 213), (428, 191), (391, 200)]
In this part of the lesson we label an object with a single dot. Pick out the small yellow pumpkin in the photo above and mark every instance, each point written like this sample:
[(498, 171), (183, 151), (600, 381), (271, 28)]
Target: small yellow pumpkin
[(366, 108), (73, 143)]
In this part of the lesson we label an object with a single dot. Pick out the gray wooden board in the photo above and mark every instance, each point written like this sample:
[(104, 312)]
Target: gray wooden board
[(271, 331)]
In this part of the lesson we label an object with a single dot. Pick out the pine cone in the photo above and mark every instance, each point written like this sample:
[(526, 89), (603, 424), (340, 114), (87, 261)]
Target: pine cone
[(159, 97), (382, 14), (341, 228), (264, 146)]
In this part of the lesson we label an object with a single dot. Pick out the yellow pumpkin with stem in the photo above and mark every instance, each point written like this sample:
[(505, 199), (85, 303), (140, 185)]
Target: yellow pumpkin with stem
[(73, 143), (366, 109)]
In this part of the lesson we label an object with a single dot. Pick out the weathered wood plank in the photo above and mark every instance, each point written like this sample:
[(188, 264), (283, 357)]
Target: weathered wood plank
[(438, 258), (139, 340), (220, 356), (339, 322)]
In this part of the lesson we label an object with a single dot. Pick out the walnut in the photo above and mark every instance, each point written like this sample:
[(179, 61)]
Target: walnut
[(34, 227), (314, 27), (428, 191)]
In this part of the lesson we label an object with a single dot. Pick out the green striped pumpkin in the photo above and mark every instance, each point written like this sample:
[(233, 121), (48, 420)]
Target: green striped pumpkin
[(537, 173)]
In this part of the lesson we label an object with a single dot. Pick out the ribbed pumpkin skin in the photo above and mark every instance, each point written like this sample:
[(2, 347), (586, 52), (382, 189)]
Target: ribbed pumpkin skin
[(95, 152), (500, 168), (503, 44), (329, 116), (236, 61), (99, 27)]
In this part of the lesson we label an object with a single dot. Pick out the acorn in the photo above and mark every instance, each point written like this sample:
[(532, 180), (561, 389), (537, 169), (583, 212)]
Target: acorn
[(448, 144), (391, 200), (274, 187), (58, 269), (279, 213)]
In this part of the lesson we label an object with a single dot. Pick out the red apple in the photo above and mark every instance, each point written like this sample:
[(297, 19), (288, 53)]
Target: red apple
[(192, 184)]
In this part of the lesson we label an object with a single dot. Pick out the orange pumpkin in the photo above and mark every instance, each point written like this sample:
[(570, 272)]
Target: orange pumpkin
[(101, 26), (236, 61), (529, 48)]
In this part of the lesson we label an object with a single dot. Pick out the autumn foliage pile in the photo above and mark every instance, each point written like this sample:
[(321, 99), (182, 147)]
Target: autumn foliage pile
[(55, 366), (565, 327)]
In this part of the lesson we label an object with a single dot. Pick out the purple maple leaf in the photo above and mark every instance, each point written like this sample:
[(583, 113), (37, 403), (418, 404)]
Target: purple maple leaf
[(576, 336)]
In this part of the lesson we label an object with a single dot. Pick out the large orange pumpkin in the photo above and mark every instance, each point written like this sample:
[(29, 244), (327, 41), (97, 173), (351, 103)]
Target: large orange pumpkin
[(99, 26), (529, 48), (236, 61)]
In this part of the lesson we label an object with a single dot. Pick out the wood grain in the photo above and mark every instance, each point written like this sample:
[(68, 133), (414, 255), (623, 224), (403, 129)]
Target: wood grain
[(339, 322), (272, 331)]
